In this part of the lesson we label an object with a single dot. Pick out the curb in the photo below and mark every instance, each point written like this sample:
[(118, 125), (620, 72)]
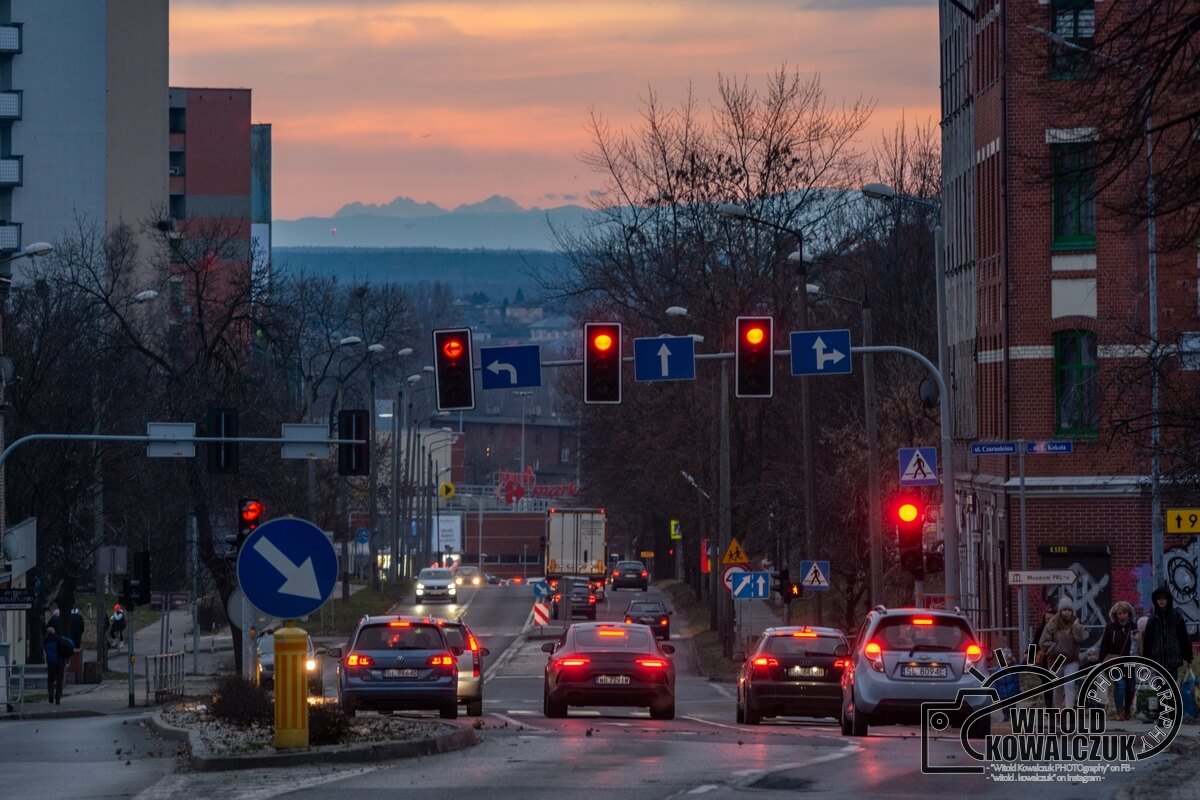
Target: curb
[(458, 739)]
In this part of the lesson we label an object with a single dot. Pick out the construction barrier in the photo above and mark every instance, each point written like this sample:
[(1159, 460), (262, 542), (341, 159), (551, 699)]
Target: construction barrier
[(541, 614), (164, 676), (291, 688)]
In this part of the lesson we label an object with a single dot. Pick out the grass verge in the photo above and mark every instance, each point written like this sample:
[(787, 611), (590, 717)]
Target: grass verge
[(694, 615)]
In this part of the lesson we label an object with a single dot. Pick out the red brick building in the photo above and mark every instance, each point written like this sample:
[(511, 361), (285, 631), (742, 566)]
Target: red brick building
[(1049, 294)]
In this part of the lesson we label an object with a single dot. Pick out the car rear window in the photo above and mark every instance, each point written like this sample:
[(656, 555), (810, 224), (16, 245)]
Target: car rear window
[(612, 639), (645, 608), (631, 565), (789, 645), (409, 637), (919, 633), (434, 575), (454, 637)]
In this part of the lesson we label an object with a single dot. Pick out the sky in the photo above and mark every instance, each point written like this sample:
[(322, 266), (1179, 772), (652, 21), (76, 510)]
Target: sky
[(451, 102)]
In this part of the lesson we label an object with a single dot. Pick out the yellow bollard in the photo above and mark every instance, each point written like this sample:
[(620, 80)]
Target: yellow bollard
[(291, 688)]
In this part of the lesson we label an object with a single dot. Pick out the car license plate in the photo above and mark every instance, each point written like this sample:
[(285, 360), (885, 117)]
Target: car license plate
[(612, 680), (400, 673), (912, 671), (807, 672)]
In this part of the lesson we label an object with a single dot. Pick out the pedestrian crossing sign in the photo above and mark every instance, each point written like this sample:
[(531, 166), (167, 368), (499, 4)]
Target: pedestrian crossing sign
[(815, 575), (918, 466), (734, 554)]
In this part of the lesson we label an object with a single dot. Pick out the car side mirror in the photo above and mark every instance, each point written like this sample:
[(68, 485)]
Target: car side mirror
[(334, 652), (548, 647), (458, 651), (320, 651), (841, 651), (669, 649), (739, 657), (483, 651)]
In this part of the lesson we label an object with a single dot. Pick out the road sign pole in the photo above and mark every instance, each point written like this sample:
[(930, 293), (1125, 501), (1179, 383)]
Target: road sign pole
[(1022, 599)]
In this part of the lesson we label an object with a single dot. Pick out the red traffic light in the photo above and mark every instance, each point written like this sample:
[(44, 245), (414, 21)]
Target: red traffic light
[(602, 342), (907, 512), (252, 511), (453, 348), (755, 334)]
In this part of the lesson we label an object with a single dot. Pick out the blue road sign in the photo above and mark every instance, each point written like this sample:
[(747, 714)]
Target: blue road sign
[(362, 536), (993, 448), (821, 352), (1051, 446), (664, 358), (918, 466), (511, 367), (751, 586), (287, 568), (815, 575), (540, 588)]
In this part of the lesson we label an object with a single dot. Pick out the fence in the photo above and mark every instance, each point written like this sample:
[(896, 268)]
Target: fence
[(19, 680), (164, 676)]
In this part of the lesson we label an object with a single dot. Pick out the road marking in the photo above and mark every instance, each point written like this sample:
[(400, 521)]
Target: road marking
[(249, 786), (750, 775), (708, 787), (723, 690), (759, 729), (518, 722)]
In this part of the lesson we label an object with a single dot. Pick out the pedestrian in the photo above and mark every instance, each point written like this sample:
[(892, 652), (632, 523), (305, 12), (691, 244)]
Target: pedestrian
[(55, 621), (59, 650), (77, 625), (1118, 640), (116, 627), (1166, 638), (1039, 657), (1061, 637)]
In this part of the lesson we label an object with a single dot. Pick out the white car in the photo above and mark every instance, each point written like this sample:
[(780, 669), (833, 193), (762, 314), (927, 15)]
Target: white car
[(436, 584), (468, 576)]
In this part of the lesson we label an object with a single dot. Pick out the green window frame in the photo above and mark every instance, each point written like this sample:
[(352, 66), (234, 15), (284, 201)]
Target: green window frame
[(1074, 167), (1076, 384), (1074, 21)]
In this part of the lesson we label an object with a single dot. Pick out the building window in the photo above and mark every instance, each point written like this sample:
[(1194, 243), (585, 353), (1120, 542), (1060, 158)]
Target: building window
[(564, 455), (1075, 22), (1074, 196), (1075, 386)]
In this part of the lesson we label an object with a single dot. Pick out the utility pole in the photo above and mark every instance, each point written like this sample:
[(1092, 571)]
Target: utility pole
[(724, 604)]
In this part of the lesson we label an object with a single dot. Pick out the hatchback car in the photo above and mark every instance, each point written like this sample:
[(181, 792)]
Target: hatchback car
[(397, 664), (792, 671), (583, 599), (652, 613), (903, 657), (470, 664), (468, 576), (629, 575), (265, 645), (434, 583), (609, 664)]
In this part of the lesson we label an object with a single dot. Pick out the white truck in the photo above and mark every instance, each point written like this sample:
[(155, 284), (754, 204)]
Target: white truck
[(576, 542)]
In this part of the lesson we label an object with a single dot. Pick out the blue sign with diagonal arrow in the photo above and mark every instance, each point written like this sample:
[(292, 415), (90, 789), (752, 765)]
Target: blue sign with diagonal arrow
[(287, 567), (751, 586), (510, 367), (664, 358)]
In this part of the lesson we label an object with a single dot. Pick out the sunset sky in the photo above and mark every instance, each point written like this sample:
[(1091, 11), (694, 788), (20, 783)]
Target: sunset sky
[(457, 100)]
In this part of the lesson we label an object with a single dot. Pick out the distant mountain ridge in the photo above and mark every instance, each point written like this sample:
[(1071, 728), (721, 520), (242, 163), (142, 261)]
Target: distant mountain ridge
[(497, 223)]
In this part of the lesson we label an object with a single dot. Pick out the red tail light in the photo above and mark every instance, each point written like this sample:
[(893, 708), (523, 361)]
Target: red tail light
[(663, 621), (873, 650), (841, 663), (922, 621), (359, 660), (592, 599), (440, 661), (472, 645), (574, 662), (804, 635), (399, 624), (616, 573), (653, 663), (765, 661), (628, 620), (974, 651), (645, 574)]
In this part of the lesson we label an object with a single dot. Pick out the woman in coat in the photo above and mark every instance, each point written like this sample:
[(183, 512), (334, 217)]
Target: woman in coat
[(1118, 639), (1061, 637)]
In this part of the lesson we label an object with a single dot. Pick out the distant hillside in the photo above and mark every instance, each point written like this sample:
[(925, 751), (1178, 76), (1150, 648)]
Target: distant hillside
[(497, 273)]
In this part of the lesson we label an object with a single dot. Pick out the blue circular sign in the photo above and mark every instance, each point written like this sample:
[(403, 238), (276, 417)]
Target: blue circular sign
[(362, 536), (287, 568)]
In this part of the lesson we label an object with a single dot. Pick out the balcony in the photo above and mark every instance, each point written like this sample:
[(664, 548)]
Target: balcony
[(10, 106), (10, 236), (10, 39), (11, 171)]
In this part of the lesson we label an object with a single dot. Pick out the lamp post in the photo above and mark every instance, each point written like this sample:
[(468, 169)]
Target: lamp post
[(434, 478), (881, 191), (399, 424), (806, 435), (524, 398)]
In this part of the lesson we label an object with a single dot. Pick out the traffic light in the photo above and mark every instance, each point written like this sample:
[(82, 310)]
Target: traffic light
[(602, 362), (250, 514), (753, 357), (354, 459), (794, 592), (127, 599), (222, 456), (782, 579), (141, 575), (454, 369), (908, 513)]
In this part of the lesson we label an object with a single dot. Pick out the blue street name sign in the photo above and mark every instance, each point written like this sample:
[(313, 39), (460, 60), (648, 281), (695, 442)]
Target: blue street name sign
[(751, 586), (1051, 446), (821, 352), (814, 575), (993, 448), (510, 367), (287, 568), (664, 358), (918, 466)]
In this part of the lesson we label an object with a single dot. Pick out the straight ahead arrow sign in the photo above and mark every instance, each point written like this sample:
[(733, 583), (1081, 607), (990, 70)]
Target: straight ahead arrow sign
[(664, 358), (300, 581)]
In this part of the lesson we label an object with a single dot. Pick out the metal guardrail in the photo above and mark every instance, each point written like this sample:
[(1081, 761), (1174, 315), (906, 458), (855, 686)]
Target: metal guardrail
[(18, 680), (164, 676)]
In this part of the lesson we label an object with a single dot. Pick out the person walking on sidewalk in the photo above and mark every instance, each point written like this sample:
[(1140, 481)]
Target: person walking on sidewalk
[(1061, 637), (116, 627), (1118, 640), (77, 626), (1040, 657), (58, 652), (1166, 638)]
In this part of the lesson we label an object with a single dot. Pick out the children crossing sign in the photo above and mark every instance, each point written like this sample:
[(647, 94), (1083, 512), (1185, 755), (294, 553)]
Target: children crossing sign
[(815, 575), (918, 466), (734, 554)]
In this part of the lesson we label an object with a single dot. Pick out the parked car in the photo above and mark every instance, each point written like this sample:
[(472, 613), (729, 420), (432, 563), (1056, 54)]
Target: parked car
[(629, 575), (652, 613), (265, 645), (398, 664), (435, 583), (792, 671), (470, 664), (468, 576), (583, 598), (609, 664), (492, 580), (904, 657)]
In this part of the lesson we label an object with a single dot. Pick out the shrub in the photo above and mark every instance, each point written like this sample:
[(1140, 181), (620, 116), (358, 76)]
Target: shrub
[(242, 702), (326, 724)]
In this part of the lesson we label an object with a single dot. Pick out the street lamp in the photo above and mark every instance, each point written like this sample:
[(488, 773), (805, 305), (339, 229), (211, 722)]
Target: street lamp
[(806, 435), (881, 191), (524, 398), (397, 431)]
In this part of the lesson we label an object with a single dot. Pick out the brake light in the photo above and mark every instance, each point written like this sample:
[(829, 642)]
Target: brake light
[(399, 624), (628, 620), (472, 645), (611, 632), (616, 572), (440, 661), (574, 662), (592, 598), (922, 621), (663, 621), (974, 652), (873, 650), (840, 663), (804, 635), (764, 661), (359, 660), (653, 663), (645, 574)]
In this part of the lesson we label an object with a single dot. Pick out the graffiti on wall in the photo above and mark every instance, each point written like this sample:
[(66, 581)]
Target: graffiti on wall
[(1180, 574), (1091, 594)]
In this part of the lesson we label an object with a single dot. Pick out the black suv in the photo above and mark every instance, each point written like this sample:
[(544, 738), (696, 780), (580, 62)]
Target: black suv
[(629, 575)]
